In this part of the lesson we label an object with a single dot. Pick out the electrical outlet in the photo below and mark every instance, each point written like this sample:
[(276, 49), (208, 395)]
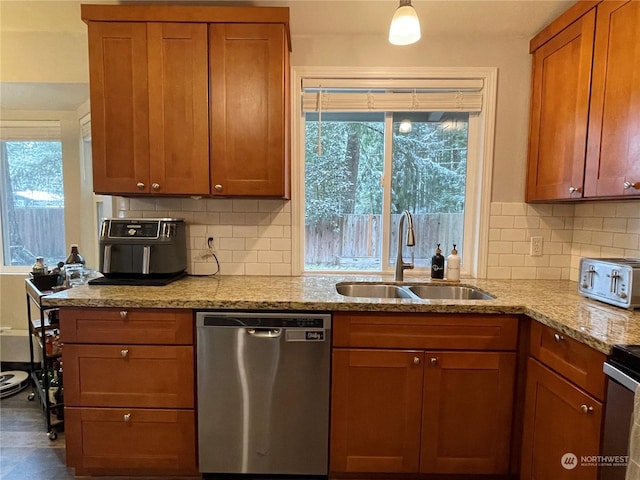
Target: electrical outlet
[(536, 246)]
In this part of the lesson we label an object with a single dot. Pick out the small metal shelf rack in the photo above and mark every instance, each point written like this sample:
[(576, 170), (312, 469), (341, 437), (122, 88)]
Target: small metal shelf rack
[(39, 325)]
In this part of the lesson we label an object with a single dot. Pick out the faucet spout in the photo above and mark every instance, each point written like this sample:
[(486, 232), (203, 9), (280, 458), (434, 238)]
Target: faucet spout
[(401, 265)]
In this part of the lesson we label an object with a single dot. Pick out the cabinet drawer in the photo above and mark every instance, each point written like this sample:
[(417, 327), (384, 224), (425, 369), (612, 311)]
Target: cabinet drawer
[(115, 441), (128, 376), (425, 331), (574, 360), (134, 326)]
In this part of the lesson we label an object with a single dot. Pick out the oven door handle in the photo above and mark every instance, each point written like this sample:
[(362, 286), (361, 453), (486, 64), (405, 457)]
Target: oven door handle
[(620, 377)]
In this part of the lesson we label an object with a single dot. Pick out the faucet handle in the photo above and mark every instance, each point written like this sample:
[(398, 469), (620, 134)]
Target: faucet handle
[(411, 263)]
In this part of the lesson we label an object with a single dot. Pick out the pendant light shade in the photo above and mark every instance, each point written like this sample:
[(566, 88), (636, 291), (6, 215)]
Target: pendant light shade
[(405, 25)]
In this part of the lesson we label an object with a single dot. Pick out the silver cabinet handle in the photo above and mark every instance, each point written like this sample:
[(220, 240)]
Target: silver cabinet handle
[(218, 187), (557, 337), (586, 408), (574, 189), (416, 360), (123, 314), (434, 360), (155, 186), (124, 353), (127, 417), (140, 185), (628, 185)]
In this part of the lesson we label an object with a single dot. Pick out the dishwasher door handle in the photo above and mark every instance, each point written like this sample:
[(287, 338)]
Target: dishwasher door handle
[(264, 332), (620, 377)]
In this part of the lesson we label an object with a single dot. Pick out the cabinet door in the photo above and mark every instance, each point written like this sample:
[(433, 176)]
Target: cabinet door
[(613, 157), (467, 411), (178, 111), (562, 423), (128, 376), (248, 87), (115, 441), (559, 113), (375, 410), (119, 107)]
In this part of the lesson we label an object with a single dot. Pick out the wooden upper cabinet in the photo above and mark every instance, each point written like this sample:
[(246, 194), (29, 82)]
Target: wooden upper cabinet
[(119, 106), (148, 107), (178, 113), (559, 113), (613, 155), (248, 85), (182, 96)]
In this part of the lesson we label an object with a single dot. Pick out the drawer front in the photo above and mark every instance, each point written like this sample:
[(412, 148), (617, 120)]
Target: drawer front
[(133, 326), (574, 360), (425, 331), (128, 376), (113, 441)]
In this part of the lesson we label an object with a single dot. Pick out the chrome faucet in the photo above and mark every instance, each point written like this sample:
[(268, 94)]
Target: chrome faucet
[(401, 266)]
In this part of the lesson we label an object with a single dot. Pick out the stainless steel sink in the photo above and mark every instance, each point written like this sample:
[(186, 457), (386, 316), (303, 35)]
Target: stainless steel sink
[(372, 290), (449, 292), (415, 292)]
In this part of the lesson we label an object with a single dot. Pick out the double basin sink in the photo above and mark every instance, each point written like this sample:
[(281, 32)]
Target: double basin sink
[(415, 292)]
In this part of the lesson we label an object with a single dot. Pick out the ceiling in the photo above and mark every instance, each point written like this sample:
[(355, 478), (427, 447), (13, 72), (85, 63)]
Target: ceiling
[(442, 18)]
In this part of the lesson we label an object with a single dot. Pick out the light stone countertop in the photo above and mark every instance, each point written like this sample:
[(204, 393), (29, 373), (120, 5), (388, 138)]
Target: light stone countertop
[(555, 303)]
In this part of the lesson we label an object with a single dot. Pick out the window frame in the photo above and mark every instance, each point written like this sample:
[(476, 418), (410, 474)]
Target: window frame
[(480, 160)]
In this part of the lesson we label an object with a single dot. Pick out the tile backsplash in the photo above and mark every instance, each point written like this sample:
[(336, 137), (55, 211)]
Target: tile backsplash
[(253, 236), (569, 232)]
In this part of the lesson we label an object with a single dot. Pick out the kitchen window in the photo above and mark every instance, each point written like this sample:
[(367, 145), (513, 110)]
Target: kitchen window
[(373, 147), (32, 198)]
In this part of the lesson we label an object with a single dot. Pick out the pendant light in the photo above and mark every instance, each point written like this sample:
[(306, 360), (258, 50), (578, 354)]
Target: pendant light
[(405, 25)]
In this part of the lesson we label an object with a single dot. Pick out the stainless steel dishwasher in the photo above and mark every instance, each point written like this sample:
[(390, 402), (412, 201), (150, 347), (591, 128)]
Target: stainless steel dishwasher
[(263, 392)]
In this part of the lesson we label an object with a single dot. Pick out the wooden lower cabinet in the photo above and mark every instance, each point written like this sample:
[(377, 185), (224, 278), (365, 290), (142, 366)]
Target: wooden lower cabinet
[(562, 423), (415, 411), (129, 391), (130, 441)]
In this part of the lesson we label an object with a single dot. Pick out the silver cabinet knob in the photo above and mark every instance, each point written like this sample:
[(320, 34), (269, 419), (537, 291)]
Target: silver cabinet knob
[(434, 360), (586, 408), (218, 187), (628, 185), (123, 314), (574, 189), (155, 186), (416, 360), (127, 417), (124, 353), (140, 185), (557, 337)]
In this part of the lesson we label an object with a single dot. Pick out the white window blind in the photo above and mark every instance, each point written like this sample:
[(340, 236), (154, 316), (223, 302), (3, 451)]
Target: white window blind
[(85, 127), (28, 130), (384, 95)]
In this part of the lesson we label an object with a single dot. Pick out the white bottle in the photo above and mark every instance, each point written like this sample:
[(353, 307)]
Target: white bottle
[(453, 265)]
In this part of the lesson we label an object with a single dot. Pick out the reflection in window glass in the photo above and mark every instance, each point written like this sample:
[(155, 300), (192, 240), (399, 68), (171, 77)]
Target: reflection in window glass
[(32, 202), (343, 194), (344, 166), (429, 174)]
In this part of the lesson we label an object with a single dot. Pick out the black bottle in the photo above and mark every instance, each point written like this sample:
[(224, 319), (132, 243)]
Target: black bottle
[(437, 264)]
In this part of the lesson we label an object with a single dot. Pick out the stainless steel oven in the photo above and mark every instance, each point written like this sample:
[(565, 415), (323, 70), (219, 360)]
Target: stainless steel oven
[(623, 378)]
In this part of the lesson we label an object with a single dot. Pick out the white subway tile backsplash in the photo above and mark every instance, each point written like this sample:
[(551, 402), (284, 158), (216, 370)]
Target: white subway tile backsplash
[(569, 231), (245, 205), (219, 205)]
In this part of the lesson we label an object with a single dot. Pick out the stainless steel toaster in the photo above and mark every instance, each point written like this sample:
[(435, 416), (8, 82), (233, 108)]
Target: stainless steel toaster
[(615, 281)]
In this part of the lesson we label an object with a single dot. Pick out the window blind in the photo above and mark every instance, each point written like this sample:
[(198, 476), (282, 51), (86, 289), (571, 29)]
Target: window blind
[(383, 95), (29, 130)]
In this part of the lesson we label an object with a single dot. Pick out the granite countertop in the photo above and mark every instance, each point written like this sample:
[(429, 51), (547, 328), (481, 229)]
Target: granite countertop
[(555, 303)]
